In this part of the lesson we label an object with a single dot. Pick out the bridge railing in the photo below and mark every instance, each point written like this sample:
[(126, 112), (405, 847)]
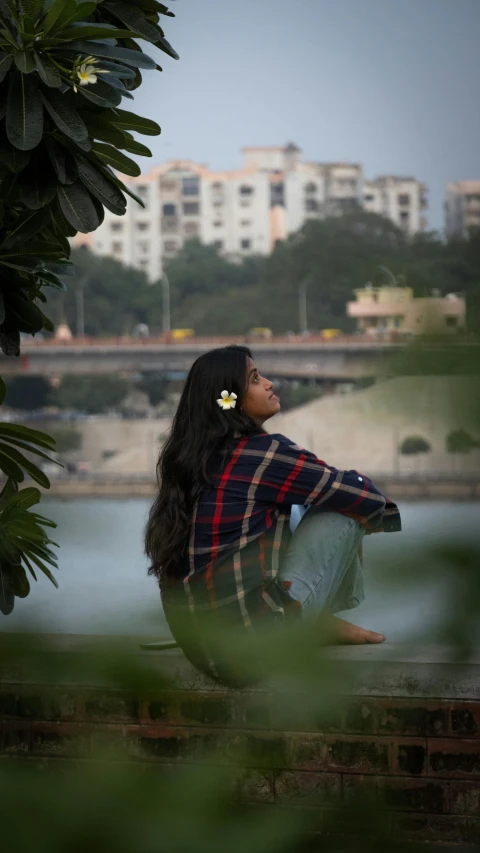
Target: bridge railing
[(208, 341)]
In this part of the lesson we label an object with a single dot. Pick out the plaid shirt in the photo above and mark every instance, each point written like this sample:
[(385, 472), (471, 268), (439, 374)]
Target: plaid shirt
[(240, 531)]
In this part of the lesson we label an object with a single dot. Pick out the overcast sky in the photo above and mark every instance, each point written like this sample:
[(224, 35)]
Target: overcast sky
[(392, 84)]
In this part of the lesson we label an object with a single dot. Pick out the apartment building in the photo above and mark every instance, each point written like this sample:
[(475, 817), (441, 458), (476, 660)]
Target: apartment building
[(403, 200), (462, 208), (242, 212)]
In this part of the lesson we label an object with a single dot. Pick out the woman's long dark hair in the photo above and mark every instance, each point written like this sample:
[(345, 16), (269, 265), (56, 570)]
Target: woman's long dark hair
[(202, 436)]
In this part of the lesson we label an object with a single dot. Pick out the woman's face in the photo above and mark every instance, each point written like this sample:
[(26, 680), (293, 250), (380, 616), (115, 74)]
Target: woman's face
[(259, 402)]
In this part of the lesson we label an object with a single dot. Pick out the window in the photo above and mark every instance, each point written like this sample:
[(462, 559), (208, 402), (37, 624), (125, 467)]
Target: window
[(311, 188), (218, 204), (369, 197), (311, 205), (143, 263), (245, 244), (169, 210), (245, 223), (191, 208), (218, 244), (245, 203), (116, 226), (117, 248), (143, 246), (217, 224), (190, 186), (142, 190), (192, 228), (451, 321), (170, 245), (168, 186), (142, 226), (217, 186), (246, 190), (404, 198), (404, 217)]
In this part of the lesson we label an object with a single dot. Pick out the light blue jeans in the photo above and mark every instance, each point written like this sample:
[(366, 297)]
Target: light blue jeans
[(323, 561)]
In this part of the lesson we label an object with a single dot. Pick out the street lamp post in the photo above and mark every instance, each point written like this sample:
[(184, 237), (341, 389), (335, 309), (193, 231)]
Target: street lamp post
[(166, 303), (302, 306)]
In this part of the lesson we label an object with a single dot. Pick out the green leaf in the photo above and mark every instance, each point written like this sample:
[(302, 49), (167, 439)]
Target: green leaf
[(29, 566), (11, 157), (42, 568), (34, 436), (63, 12), (24, 120), (130, 121), (28, 318), (10, 468), (100, 94), (6, 60), (65, 116), (137, 59), (92, 31), (38, 248), (101, 128), (49, 72), (3, 389), (126, 190), (100, 187), (134, 19), (134, 147), (32, 8), (21, 586), (77, 207), (34, 472), (115, 158), (118, 85), (120, 71), (37, 184), (27, 225), (7, 594), (9, 340), (50, 280), (26, 446), (24, 499), (25, 61)]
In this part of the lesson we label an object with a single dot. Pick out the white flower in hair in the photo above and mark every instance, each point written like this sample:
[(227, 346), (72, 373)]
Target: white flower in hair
[(227, 401)]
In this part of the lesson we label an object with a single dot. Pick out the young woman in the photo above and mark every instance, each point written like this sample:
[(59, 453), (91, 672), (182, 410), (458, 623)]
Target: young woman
[(219, 535)]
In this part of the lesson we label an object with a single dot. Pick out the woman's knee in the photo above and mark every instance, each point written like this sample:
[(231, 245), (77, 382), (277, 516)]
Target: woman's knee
[(324, 533)]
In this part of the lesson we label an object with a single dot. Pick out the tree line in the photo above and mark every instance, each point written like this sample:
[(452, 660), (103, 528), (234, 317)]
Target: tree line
[(215, 296)]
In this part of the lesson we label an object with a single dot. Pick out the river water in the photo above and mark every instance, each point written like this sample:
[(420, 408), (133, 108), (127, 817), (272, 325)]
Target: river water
[(104, 587)]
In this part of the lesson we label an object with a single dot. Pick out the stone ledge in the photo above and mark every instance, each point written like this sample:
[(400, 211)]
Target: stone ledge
[(394, 670)]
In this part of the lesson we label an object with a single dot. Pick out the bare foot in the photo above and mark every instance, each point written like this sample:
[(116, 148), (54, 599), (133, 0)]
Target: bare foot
[(339, 632)]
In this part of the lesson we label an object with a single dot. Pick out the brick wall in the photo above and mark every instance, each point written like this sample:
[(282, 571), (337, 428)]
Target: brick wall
[(420, 758)]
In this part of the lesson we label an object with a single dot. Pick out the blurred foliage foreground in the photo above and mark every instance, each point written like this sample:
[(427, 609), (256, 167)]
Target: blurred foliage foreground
[(105, 797)]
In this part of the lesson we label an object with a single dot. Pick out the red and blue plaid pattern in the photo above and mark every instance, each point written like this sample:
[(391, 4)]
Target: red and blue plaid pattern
[(240, 531)]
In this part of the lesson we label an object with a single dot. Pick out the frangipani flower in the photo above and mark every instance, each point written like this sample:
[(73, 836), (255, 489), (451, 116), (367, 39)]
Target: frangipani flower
[(87, 74), (227, 400)]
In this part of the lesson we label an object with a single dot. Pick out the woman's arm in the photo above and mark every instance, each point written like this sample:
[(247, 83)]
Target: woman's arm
[(288, 474)]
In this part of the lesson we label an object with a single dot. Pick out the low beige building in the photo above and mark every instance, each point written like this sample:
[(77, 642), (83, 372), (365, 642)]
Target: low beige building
[(379, 310)]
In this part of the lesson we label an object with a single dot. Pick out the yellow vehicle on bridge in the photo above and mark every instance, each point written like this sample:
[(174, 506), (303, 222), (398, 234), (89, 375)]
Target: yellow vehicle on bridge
[(328, 334), (181, 334)]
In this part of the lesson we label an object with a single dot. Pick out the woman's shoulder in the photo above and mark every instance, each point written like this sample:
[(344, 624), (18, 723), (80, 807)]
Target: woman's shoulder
[(270, 441)]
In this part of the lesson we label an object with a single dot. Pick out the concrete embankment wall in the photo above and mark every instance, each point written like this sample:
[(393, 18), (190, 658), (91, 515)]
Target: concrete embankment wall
[(397, 488), (361, 430), (407, 732)]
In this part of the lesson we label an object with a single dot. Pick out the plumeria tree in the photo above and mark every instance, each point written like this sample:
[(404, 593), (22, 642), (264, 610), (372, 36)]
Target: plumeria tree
[(65, 68)]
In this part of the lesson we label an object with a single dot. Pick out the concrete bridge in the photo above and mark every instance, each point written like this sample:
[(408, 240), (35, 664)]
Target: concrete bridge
[(342, 360)]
